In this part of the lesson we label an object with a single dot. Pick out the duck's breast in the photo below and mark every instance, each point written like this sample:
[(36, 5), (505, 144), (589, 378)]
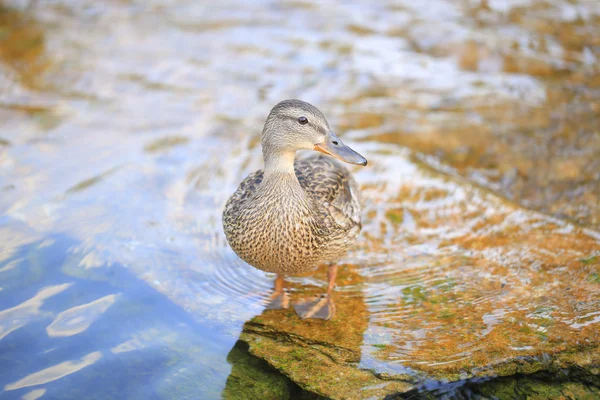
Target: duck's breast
[(274, 230)]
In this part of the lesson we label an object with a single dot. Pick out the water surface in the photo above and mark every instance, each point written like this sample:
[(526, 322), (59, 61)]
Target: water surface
[(124, 127)]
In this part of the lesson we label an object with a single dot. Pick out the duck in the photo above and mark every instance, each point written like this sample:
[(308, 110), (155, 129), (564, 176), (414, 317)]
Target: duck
[(294, 215)]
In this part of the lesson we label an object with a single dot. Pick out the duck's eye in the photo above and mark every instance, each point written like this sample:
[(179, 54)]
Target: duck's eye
[(303, 120)]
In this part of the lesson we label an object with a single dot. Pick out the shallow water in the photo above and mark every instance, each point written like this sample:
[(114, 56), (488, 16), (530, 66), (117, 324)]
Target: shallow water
[(125, 126)]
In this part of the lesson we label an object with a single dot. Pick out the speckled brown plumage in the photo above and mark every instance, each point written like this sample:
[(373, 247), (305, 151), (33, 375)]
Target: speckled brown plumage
[(289, 223)]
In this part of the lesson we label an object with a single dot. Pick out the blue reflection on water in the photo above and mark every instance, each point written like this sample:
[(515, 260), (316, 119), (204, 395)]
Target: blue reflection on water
[(142, 346)]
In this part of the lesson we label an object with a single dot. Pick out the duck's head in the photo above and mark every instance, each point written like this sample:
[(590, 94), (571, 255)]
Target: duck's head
[(296, 125)]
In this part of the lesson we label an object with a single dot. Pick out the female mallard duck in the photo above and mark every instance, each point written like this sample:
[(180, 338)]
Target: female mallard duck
[(292, 216)]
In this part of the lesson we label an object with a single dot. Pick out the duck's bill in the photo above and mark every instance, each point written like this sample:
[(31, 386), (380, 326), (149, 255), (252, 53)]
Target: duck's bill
[(336, 148)]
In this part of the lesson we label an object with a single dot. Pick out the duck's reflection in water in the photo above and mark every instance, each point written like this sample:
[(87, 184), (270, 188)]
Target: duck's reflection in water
[(308, 351)]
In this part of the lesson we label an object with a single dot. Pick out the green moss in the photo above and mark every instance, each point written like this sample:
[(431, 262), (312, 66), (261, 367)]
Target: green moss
[(594, 277), (525, 329), (394, 216), (413, 294), (542, 335), (446, 315), (590, 260), (253, 378)]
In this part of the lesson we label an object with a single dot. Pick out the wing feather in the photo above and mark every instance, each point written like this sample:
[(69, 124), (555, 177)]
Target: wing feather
[(332, 187)]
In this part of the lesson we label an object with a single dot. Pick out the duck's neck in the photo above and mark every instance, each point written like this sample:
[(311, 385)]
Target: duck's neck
[(279, 163), (280, 181)]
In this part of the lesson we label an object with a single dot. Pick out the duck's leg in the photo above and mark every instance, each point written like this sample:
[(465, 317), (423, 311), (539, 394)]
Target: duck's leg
[(279, 298), (323, 307)]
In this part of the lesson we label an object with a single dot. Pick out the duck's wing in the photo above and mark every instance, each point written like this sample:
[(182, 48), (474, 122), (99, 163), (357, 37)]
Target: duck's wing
[(246, 189), (332, 187)]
